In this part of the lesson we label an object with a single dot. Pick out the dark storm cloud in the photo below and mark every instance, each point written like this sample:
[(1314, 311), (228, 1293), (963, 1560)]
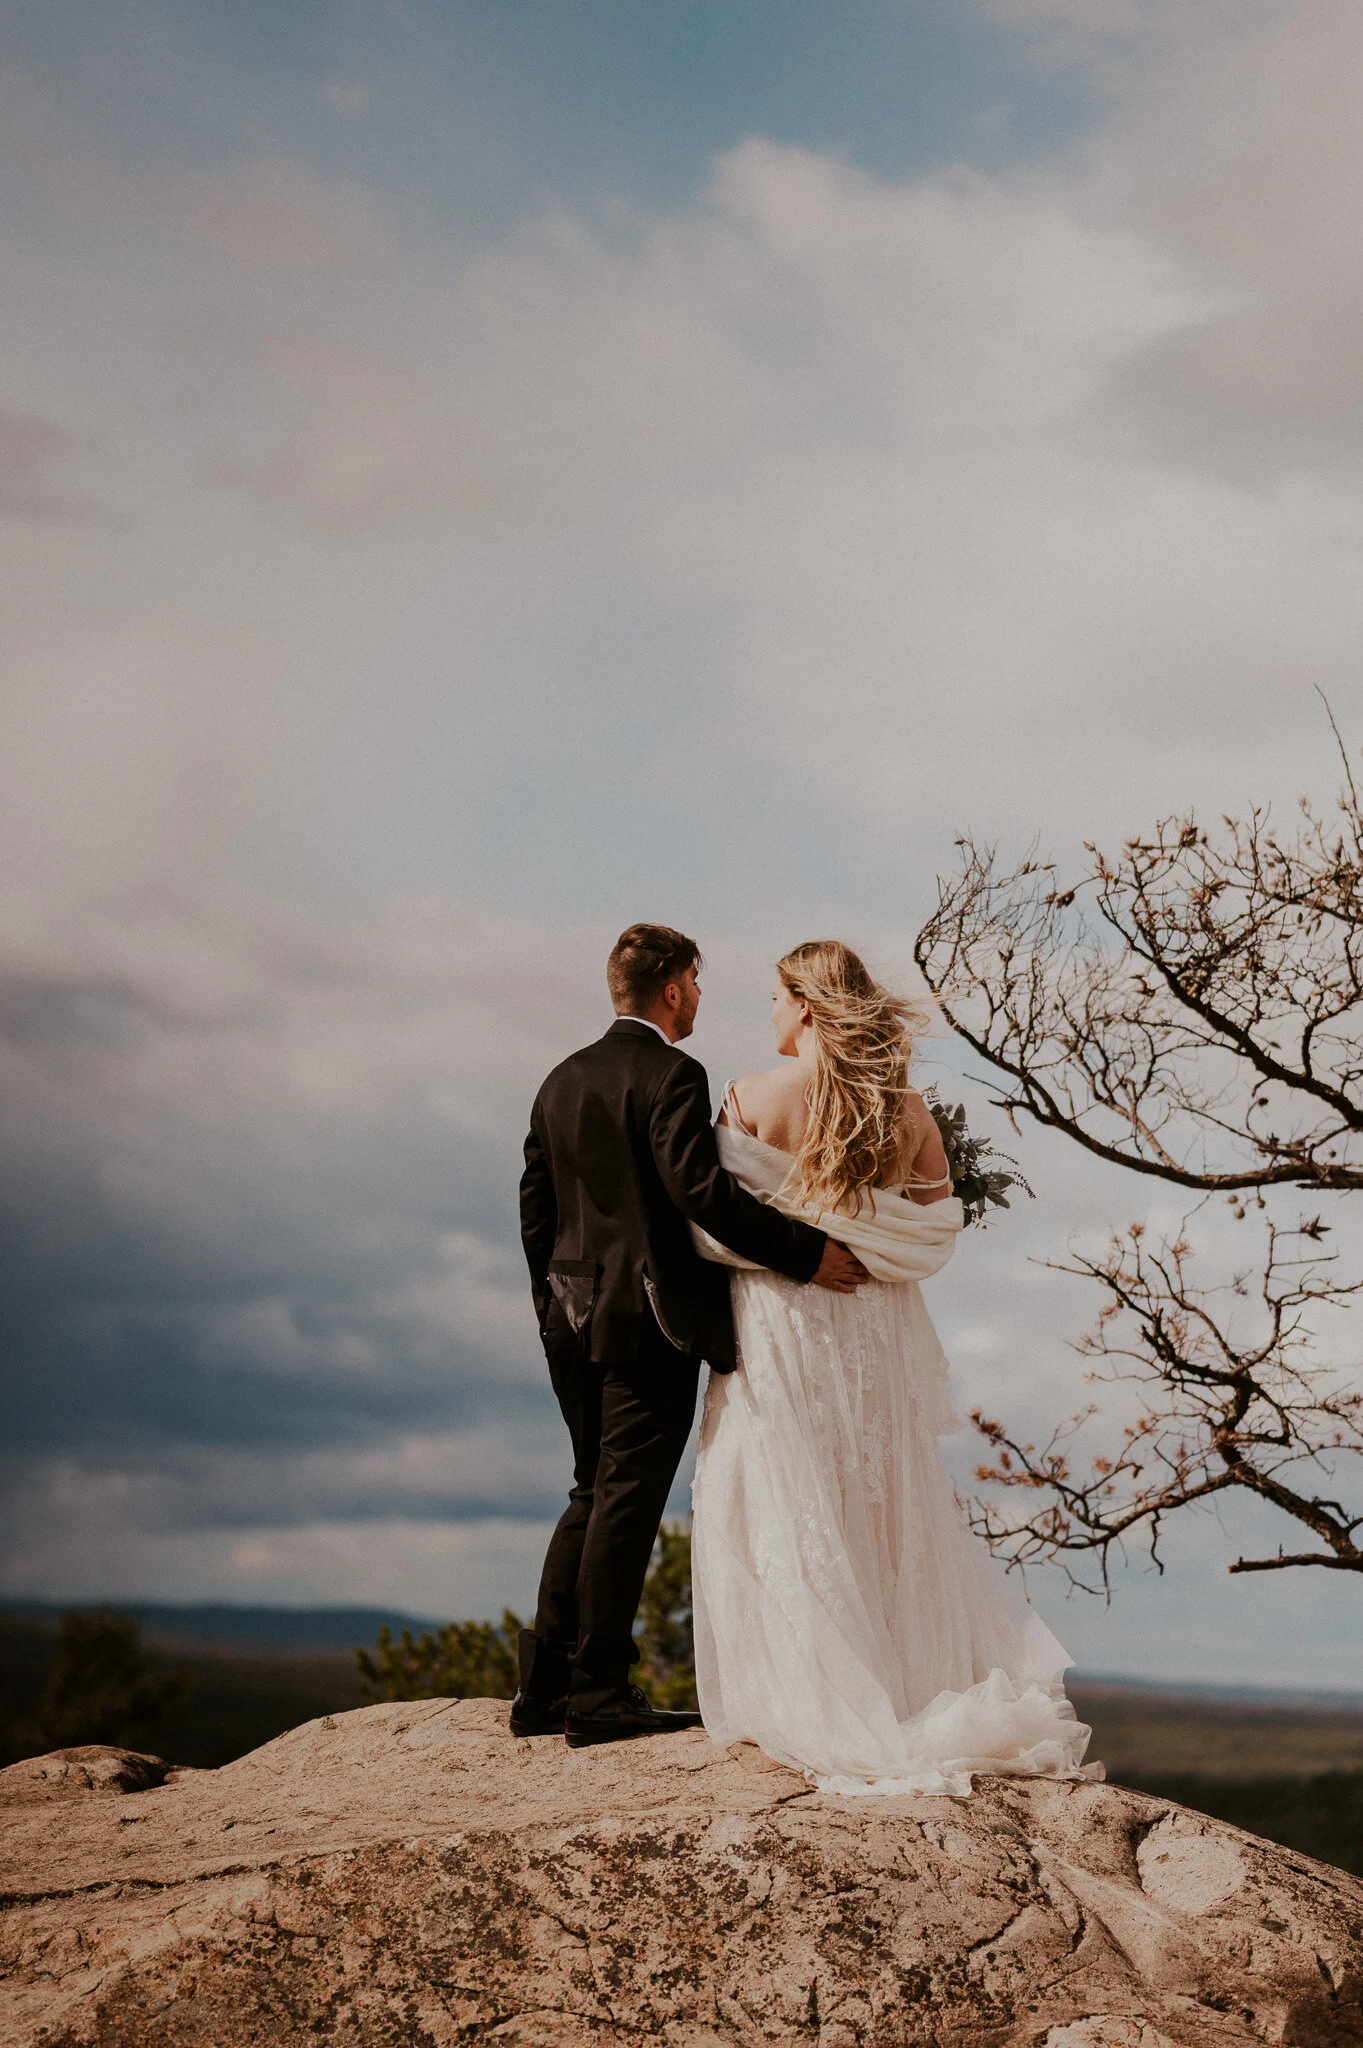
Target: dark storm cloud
[(133, 1377), (257, 1215)]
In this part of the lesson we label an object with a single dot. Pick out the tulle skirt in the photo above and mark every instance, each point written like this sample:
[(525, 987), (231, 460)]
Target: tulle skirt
[(846, 1619)]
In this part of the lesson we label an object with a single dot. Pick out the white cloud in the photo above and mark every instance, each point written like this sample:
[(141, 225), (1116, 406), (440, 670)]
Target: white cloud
[(931, 466), (30, 450)]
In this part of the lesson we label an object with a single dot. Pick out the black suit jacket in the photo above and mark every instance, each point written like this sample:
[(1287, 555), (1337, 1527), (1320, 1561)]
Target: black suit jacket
[(621, 1156)]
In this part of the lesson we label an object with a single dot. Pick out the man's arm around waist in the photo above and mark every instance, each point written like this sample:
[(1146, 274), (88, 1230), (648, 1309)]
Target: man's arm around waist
[(687, 1156)]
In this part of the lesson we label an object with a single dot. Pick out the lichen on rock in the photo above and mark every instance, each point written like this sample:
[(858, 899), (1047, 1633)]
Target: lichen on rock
[(410, 1874)]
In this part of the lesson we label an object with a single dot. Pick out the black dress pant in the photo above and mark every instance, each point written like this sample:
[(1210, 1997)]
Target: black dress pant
[(629, 1424)]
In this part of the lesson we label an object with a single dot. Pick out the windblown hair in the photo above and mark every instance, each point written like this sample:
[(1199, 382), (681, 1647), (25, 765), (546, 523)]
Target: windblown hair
[(643, 960), (863, 1040)]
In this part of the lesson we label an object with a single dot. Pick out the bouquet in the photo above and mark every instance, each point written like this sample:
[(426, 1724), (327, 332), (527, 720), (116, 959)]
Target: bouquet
[(979, 1186)]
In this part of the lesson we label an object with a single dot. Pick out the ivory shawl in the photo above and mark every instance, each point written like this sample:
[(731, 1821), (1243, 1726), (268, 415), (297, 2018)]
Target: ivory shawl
[(896, 1240)]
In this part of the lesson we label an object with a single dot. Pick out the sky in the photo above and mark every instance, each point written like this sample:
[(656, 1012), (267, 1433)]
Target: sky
[(474, 475)]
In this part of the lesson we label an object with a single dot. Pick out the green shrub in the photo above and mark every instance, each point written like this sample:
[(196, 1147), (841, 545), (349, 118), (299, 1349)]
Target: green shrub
[(667, 1649), (462, 1660), (478, 1659)]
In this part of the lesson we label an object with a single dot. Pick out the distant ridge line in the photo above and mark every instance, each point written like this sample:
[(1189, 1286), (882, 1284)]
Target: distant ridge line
[(275, 1628), (346, 1628), (1339, 1696)]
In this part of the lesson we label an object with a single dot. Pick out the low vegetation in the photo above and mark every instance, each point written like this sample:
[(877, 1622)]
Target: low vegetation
[(100, 1686), (477, 1659), (462, 1660), (241, 1698)]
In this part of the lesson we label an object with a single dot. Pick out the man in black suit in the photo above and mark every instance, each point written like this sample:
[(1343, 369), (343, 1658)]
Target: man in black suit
[(621, 1156)]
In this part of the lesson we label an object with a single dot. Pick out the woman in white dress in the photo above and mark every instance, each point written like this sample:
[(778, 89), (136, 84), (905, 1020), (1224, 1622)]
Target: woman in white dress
[(846, 1619)]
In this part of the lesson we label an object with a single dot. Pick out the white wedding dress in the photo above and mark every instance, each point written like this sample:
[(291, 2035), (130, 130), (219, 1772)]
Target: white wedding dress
[(846, 1619)]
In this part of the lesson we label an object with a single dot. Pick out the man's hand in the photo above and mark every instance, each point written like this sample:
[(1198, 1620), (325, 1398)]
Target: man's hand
[(840, 1270)]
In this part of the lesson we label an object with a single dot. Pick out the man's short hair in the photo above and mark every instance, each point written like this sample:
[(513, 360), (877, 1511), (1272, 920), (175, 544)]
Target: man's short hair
[(643, 960)]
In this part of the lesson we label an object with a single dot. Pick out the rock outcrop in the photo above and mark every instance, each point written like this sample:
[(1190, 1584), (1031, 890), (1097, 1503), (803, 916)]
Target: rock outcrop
[(411, 1875)]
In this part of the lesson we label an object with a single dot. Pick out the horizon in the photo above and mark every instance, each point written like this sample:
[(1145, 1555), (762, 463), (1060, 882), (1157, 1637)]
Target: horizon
[(1173, 1686)]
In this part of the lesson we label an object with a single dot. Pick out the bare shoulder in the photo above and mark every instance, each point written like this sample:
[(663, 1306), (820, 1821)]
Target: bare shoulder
[(918, 1116), (772, 1104), (772, 1088)]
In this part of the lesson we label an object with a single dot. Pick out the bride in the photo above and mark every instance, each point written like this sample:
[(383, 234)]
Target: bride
[(846, 1620)]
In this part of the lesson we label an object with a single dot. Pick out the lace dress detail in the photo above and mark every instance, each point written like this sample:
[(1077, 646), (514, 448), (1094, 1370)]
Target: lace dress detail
[(846, 1619)]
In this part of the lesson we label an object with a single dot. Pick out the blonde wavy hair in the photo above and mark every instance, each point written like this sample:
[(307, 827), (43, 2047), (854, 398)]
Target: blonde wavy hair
[(863, 1041)]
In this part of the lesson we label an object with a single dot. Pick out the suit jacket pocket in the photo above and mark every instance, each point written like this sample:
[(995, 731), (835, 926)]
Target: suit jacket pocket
[(574, 1284), (655, 1303)]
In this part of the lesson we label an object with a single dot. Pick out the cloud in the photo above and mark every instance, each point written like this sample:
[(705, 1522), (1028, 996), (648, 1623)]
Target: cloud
[(262, 1289), (434, 1569), (1003, 465), (30, 449), (266, 216), (462, 1475), (1230, 139), (346, 96), (259, 1173), (926, 445), (274, 216)]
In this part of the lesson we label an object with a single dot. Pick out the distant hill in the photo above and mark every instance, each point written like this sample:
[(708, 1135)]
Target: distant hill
[(1342, 1699), (346, 1628), (259, 1628)]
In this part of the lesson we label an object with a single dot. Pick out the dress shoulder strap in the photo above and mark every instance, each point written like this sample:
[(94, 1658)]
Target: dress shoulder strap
[(734, 1113)]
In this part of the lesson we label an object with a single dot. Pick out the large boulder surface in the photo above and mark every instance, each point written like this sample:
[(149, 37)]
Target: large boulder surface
[(412, 1875)]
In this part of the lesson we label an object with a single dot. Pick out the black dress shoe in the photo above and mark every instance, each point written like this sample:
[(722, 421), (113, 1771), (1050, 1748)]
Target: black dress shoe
[(531, 1716), (623, 1720)]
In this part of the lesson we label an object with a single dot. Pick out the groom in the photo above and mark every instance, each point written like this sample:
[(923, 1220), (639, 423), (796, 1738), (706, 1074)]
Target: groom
[(621, 1156)]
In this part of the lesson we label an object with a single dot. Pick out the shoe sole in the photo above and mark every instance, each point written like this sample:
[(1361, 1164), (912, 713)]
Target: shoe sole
[(576, 1739)]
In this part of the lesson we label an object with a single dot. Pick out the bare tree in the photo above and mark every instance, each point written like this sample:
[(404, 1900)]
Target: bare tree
[(1191, 1011), (1226, 1400)]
